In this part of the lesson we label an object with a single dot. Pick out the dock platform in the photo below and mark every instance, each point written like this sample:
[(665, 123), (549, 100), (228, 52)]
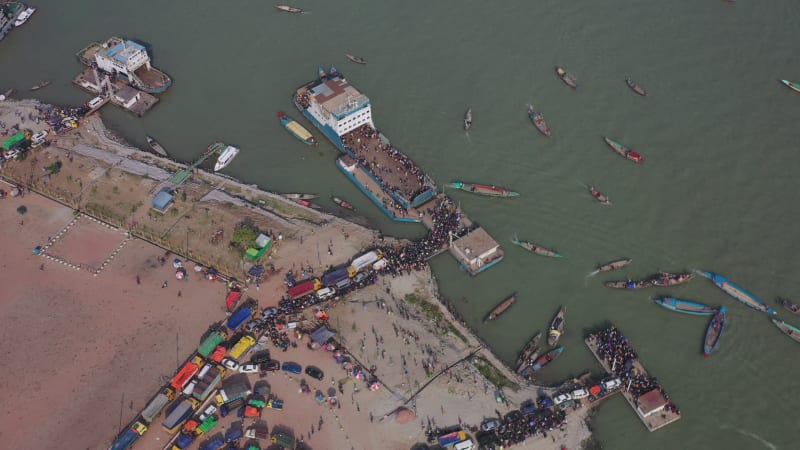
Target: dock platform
[(645, 396), (124, 96)]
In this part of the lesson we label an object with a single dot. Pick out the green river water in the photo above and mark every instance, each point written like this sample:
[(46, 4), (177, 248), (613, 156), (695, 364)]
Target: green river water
[(718, 132)]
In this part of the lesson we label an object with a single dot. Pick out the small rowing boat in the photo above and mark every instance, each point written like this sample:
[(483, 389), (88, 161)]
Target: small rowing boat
[(714, 332), (635, 86), (738, 293), (557, 327), (289, 9), (538, 121), (468, 119), (483, 189), (546, 359), (789, 330), (41, 85), (599, 196), (343, 203), (536, 249), (528, 354), (156, 146), (355, 59), (791, 85), (613, 265), (300, 196), (566, 77), (623, 151), (501, 308), (685, 306), (297, 130), (225, 156), (790, 306)]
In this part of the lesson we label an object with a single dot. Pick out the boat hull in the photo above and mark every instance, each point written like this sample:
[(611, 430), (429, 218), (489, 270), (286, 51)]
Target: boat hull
[(714, 332), (791, 85), (557, 327), (635, 87), (500, 308), (539, 122), (546, 359), (297, 130), (685, 306), (624, 151), (790, 330), (483, 189), (738, 293), (568, 79)]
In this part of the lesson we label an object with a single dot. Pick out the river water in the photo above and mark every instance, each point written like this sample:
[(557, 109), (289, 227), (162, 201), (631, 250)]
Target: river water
[(717, 130)]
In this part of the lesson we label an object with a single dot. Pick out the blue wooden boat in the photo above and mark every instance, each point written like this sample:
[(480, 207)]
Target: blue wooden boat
[(714, 332), (546, 359), (685, 306), (738, 293)]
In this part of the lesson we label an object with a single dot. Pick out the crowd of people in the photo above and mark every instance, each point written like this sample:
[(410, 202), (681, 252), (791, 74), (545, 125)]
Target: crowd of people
[(530, 425)]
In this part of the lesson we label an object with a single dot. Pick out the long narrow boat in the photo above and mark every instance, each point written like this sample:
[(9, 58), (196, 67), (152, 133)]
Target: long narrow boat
[(738, 293), (790, 306), (501, 308), (344, 204), (613, 265), (300, 196), (468, 119), (297, 130), (355, 59), (289, 9), (635, 87), (791, 85), (483, 189), (659, 280), (788, 329), (153, 143), (536, 249), (528, 353), (685, 306), (538, 121), (546, 359), (623, 151), (557, 327), (40, 85), (599, 196), (714, 332), (566, 77)]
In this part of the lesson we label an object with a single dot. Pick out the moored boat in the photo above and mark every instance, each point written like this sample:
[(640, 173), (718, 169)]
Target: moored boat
[(566, 77), (714, 332), (24, 16), (501, 308), (538, 121), (528, 354), (790, 330), (297, 130), (546, 359), (685, 306), (791, 85), (342, 203), (599, 196), (662, 279), (307, 204), (613, 265), (483, 189), (557, 327), (156, 146), (300, 196), (226, 155), (289, 9), (738, 293), (40, 85), (635, 87), (536, 249), (790, 306), (468, 119), (355, 59), (623, 151)]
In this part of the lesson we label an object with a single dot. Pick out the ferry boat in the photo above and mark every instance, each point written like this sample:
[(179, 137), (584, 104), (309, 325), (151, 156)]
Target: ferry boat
[(128, 61), (297, 130), (225, 157), (24, 16)]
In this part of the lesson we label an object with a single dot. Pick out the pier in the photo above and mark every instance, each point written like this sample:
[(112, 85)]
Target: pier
[(647, 398)]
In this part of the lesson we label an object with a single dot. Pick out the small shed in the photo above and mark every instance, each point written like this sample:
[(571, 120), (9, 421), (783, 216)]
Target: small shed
[(651, 402), (322, 334), (162, 201), (263, 241), (127, 96)]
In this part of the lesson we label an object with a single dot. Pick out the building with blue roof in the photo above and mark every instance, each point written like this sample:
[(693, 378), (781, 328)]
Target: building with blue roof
[(162, 201)]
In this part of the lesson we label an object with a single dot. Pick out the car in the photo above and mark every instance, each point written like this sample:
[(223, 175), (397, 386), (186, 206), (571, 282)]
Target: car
[(40, 136), (208, 412), (253, 325), (567, 404), (529, 408), (292, 367), (260, 357), (270, 366), (513, 416), (360, 276), (490, 424), (579, 393), (344, 283), (611, 384), (269, 312), (189, 388), (325, 293), (248, 368), (561, 398), (315, 372), (230, 364)]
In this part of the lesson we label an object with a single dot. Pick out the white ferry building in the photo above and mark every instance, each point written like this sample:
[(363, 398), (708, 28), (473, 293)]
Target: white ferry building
[(338, 108)]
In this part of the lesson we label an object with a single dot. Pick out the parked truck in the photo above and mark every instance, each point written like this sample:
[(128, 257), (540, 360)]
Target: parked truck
[(244, 344), (241, 315), (157, 404), (232, 391), (335, 276), (211, 341), (208, 381), (363, 262), (177, 414), (304, 288), (126, 439), (230, 406), (186, 373)]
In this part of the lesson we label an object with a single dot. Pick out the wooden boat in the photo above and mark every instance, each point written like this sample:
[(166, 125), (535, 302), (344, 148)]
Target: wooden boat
[(790, 330), (714, 332), (790, 306), (613, 265), (635, 86), (343, 203), (528, 354), (355, 59), (483, 189), (536, 249), (468, 119), (791, 85), (685, 306), (623, 151), (300, 196), (538, 121), (599, 196), (307, 204), (156, 146), (289, 9), (738, 293), (557, 327), (546, 359), (297, 130), (567, 78), (662, 279), (501, 308), (41, 85)]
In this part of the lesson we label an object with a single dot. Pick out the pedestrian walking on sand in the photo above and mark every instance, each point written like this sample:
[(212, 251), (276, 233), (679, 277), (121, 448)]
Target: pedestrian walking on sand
[(179, 293), (138, 280), (164, 285)]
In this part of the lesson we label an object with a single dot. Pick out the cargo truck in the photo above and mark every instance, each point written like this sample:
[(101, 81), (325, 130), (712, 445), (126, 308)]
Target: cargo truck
[(157, 404), (208, 381), (232, 391), (241, 315), (210, 343), (304, 288), (363, 262), (186, 373), (206, 425), (335, 276), (126, 439), (245, 343), (451, 438), (177, 414), (230, 406)]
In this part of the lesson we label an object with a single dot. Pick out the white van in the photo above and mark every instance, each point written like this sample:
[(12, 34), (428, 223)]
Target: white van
[(464, 445), (40, 136), (95, 102), (325, 292)]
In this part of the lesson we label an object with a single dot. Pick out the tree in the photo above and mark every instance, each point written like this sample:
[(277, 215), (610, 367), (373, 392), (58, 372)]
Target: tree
[(244, 236), (22, 210)]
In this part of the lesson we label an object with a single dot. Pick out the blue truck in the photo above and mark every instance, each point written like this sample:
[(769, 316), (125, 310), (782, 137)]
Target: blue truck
[(126, 439), (335, 276), (238, 318)]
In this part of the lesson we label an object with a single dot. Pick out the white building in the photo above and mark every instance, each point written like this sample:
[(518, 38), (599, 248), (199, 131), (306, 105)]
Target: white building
[(121, 56), (337, 105)]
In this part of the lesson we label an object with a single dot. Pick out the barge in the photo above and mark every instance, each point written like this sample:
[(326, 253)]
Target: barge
[(126, 60)]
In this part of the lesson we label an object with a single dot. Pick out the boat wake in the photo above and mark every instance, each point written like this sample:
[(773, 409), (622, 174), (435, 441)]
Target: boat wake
[(766, 443)]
